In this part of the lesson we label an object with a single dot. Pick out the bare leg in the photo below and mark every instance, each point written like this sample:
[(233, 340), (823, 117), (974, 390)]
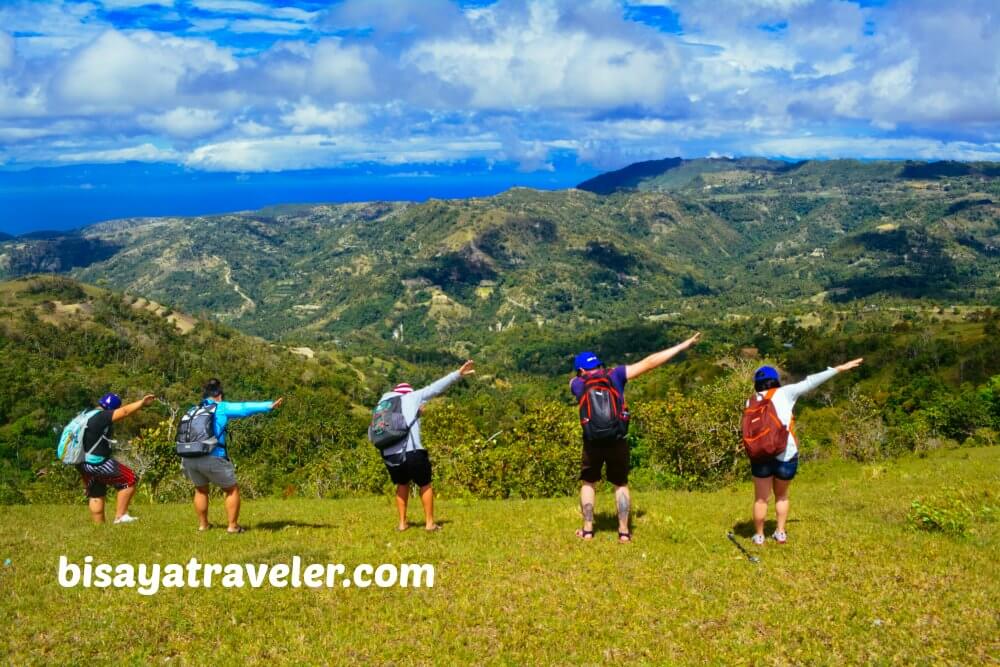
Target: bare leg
[(96, 506), (587, 496), (761, 496), (233, 507), (124, 498), (623, 501), (781, 501), (427, 498), (402, 497), (201, 506)]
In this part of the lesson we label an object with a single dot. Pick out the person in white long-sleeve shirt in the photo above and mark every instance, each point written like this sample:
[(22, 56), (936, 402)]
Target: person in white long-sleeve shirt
[(776, 474), (408, 461)]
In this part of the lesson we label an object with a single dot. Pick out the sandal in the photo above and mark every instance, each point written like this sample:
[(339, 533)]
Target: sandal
[(585, 534), (435, 529), (239, 529), (624, 538)]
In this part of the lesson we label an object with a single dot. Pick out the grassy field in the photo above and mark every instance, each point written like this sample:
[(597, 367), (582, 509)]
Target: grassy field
[(856, 583)]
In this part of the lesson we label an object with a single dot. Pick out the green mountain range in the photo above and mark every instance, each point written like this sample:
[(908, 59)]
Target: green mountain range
[(657, 240)]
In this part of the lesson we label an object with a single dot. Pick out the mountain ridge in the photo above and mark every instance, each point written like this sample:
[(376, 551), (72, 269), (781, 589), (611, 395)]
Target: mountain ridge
[(453, 274)]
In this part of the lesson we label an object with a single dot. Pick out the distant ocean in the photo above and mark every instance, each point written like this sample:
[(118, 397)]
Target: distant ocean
[(63, 198)]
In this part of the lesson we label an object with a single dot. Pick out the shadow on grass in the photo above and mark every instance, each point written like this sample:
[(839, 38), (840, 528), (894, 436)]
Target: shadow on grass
[(420, 524), (280, 525), (609, 521), (746, 529)]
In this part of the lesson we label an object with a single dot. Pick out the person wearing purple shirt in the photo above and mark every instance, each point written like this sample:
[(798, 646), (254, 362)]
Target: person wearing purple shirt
[(614, 456)]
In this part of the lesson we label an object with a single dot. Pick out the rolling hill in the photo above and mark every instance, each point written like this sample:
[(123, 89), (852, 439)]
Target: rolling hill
[(671, 237), (63, 344)]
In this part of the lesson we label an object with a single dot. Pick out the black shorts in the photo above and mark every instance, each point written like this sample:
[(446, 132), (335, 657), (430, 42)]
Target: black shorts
[(415, 468), (615, 455)]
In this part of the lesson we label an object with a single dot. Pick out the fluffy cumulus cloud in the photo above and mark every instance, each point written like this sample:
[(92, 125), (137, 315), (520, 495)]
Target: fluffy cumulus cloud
[(252, 85)]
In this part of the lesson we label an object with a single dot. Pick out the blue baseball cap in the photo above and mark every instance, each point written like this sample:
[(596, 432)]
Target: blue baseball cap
[(110, 402), (766, 373), (586, 361)]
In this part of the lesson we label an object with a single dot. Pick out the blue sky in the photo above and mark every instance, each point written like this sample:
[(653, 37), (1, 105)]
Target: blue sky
[(533, 91)]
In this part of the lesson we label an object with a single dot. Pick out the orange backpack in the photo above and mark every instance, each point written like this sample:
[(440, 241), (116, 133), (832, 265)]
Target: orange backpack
[(764, 436)]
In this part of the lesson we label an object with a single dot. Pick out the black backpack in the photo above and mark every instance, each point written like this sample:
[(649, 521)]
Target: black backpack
[(388, 426), (196, 433), (603, 413)]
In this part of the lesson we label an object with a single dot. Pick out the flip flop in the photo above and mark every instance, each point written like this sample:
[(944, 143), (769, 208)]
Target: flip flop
[(584, 534), (239, 529), (624, 538), (435, 529)]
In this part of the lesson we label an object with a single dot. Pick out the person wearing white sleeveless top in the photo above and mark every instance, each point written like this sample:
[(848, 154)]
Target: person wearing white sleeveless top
[(775, 475)]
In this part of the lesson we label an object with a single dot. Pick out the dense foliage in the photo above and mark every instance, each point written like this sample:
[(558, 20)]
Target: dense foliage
[(932, 378), (727, 237)]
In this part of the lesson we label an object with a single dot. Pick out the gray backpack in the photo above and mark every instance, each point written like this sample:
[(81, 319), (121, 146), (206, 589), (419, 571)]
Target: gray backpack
[(196, 433), (388, 427)]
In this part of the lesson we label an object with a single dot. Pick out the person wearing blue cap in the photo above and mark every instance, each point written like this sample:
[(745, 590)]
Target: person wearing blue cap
[(600, 396), (98, 469), (776, 474)]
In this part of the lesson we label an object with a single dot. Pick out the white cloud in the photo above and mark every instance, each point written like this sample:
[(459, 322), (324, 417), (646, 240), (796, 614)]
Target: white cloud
[(306, 116), (887, 148), (267, 26), (538, 58), (131, 4), (143, 153), (248, 127), (184, 122), (307, 151), (428, 80), (340, 70), (119, 71), (6, 50)]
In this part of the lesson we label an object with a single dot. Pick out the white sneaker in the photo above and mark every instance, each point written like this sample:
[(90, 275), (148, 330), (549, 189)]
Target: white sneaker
[(779, 536), (757, 539), (126, 518)]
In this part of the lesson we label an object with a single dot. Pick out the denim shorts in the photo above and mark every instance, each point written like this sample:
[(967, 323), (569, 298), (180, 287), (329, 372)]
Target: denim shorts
[(783, 470)]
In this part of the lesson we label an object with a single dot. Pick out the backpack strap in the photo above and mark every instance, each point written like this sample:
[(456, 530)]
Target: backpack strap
[(770, 393)]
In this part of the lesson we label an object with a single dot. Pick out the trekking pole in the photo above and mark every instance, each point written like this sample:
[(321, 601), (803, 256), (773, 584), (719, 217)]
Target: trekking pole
[(750, 557)]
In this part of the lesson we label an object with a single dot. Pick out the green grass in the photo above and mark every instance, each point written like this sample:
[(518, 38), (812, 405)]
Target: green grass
[(857, 583)]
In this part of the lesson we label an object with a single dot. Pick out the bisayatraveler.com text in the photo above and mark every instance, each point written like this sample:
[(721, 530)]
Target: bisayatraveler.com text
[(151, 578)]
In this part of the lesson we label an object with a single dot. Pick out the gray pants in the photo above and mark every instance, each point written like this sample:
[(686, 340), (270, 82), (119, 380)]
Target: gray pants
[(205, 470)]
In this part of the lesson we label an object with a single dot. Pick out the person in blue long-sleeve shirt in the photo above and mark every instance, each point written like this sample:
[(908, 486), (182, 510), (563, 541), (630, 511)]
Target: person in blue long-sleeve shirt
[(216, 468)]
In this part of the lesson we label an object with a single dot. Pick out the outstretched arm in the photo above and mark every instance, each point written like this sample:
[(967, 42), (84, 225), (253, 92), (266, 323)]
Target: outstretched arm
[(816, 379), (659, 358), (438, 386), (125, 410), (247, 408)]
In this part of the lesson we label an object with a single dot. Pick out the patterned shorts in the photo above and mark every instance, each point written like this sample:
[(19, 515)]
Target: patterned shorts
[(97, 477)]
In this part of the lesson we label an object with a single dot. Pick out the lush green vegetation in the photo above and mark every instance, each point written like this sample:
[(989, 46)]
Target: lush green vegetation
[(716, 237), (859, 581), (932, 380)]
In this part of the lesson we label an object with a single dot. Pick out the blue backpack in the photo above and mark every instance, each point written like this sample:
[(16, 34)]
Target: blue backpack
[(70, 449)]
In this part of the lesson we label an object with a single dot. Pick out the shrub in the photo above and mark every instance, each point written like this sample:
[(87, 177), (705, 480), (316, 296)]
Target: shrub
[(953, 511), (863, 437)]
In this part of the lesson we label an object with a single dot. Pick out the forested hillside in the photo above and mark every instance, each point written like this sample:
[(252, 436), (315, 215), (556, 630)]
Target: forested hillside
[(680, 239), (931, 379)]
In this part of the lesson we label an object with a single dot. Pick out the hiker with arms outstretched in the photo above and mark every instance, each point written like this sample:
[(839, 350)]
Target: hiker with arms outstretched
[(92, 455), (201, 442), (600, 396), (770, 441), (395, 431)]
